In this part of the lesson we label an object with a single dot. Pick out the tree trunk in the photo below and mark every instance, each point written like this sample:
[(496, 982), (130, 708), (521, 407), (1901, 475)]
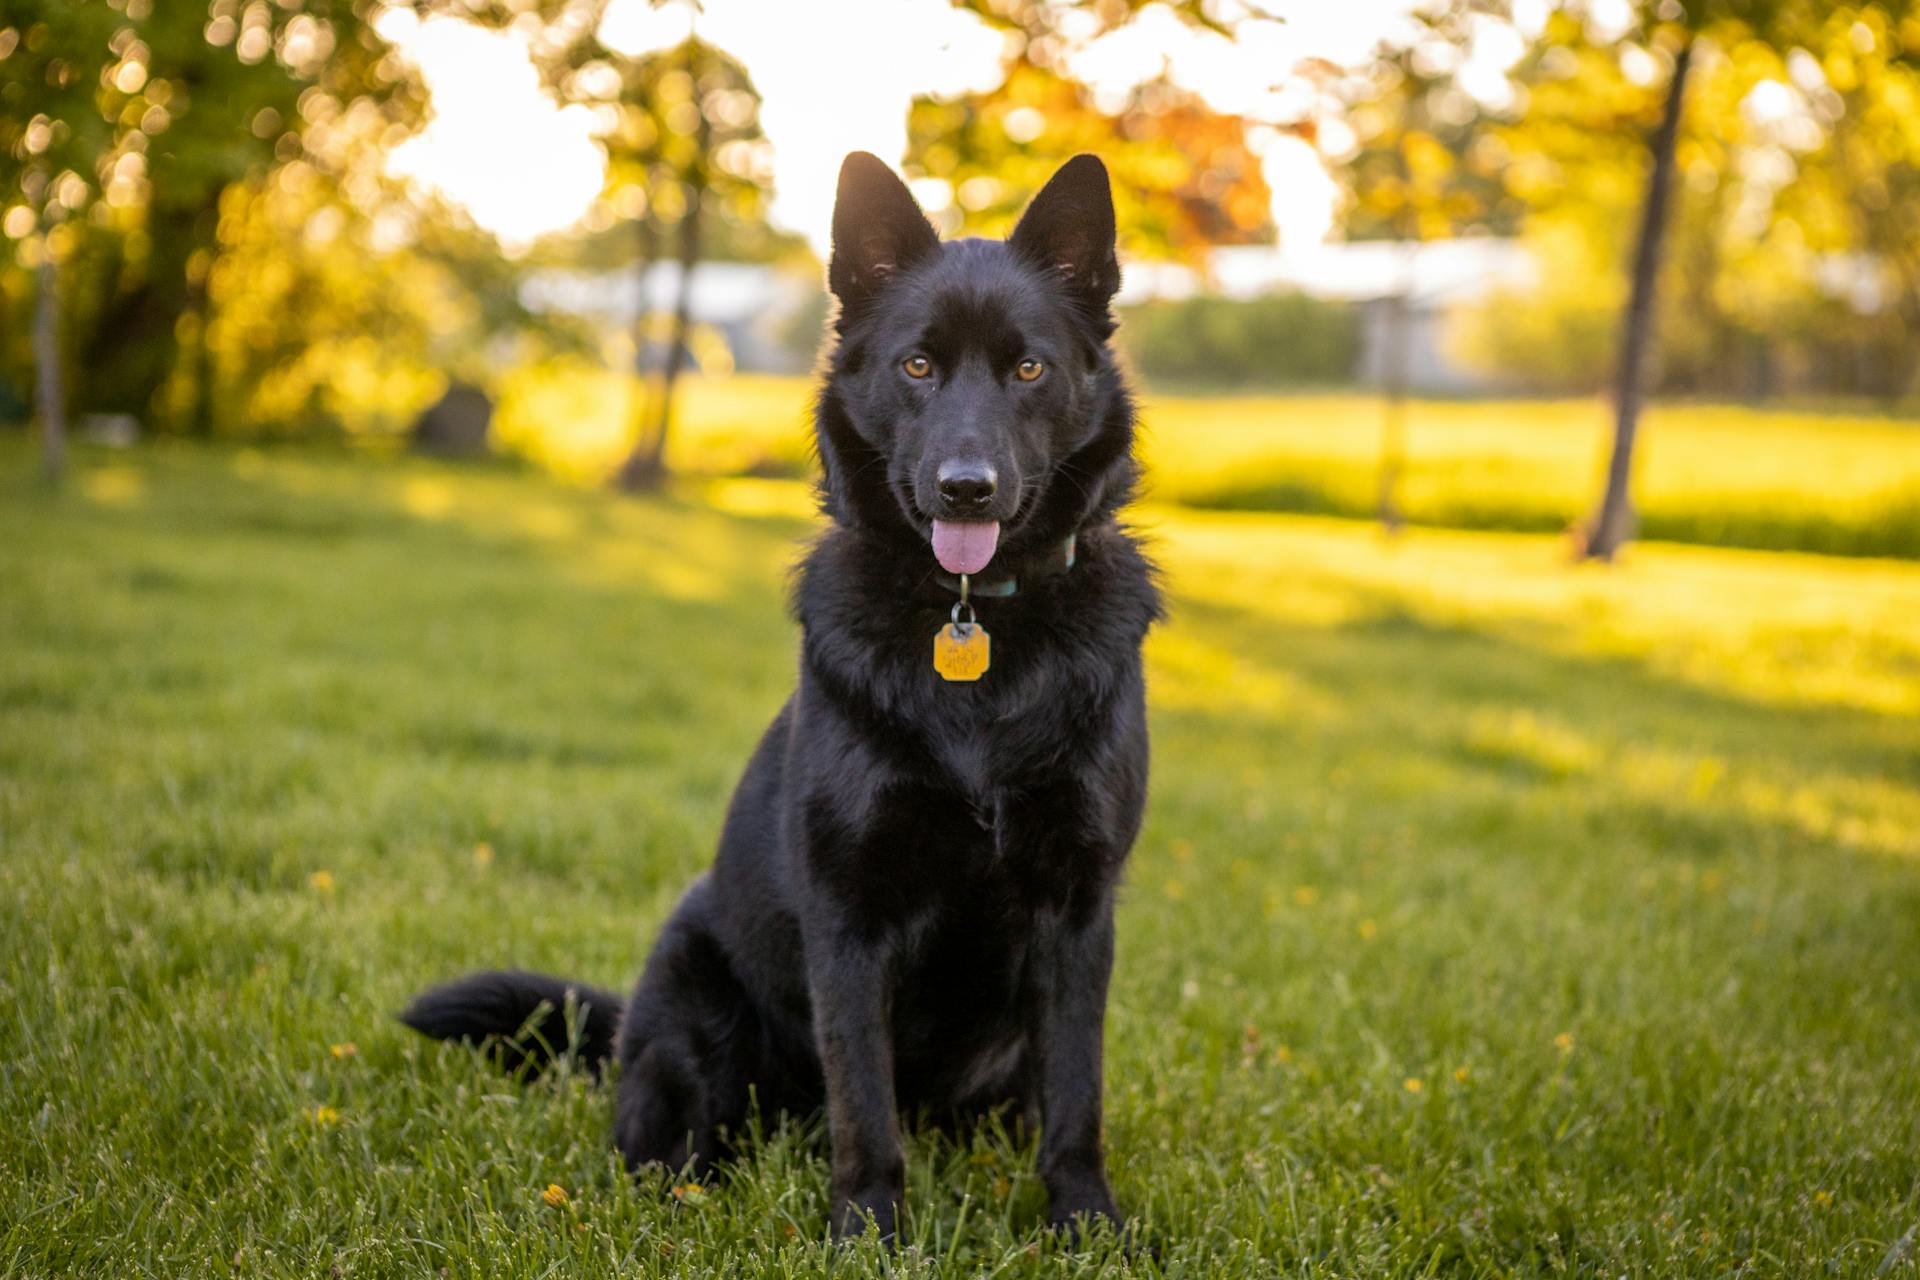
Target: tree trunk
[(682, 325), (1613, 524), (50, 388), (646, 252), (1395, 350), (646, 466)]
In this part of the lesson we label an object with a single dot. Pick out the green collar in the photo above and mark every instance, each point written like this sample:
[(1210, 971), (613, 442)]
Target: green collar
[(1058, 562)]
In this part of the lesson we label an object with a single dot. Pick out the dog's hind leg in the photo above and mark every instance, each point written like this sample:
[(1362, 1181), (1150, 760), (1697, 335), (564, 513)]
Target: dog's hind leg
[(686, 1050)]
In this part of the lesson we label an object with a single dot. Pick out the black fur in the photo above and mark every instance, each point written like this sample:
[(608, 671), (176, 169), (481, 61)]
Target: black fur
[(912, 903), (528, 1018)]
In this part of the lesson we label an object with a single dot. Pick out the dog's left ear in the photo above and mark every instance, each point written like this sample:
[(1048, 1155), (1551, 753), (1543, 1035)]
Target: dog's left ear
[(1069, 230)]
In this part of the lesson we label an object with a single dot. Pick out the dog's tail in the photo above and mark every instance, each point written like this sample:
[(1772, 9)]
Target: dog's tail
[(527, 1020)]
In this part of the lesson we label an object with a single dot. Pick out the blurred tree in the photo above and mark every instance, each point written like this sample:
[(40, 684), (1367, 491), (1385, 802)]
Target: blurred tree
[(1787, 252), (1659, 48), (687, 163), (55, 62), (1424, 169), (688, 166), (1184, 175), (138, 117), (1858, 193), (333, 313)]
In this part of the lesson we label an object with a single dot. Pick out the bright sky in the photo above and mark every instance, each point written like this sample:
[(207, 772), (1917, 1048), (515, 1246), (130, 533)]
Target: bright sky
[(837, 76)]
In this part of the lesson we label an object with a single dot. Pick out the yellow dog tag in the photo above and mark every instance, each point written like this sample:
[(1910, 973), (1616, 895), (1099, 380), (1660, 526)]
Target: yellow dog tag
[(961, 651)]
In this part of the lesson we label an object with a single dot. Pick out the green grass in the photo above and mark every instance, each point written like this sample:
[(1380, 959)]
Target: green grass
[(1491, 917), (1831, 482), (1715, 475)]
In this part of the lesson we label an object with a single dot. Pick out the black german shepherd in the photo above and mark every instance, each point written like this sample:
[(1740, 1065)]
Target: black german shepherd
[(912, 905)]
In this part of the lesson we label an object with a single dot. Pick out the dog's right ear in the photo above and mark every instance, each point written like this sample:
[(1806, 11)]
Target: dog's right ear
[(878, 229)]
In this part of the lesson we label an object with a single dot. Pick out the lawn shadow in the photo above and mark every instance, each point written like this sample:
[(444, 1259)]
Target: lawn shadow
[(1508, 705)]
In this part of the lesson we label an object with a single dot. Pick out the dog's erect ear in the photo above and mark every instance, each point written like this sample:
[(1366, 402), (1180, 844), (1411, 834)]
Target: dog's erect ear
[(878, 229), (1069, 229)]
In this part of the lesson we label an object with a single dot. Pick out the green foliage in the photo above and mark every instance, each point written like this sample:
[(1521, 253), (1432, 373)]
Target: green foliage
[(1791, 263), (1490, 918), (330, 330), (1859, 191), (1425, 166), (685, 120), (1286, 339), (1183, 177), (139, 117)]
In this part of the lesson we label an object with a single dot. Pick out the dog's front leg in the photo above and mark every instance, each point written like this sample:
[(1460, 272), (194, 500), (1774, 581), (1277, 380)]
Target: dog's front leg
[(1076, 962), (850, 986)]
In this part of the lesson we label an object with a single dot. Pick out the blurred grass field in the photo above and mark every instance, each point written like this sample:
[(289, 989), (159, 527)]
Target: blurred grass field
[(1716, 475), (1492, 917)]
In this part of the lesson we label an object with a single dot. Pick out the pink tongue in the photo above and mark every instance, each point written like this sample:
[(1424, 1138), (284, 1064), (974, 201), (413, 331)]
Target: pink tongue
[(965, 546)]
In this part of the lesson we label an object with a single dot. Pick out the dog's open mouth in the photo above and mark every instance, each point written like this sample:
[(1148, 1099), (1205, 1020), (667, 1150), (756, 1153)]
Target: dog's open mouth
[(965, 546)]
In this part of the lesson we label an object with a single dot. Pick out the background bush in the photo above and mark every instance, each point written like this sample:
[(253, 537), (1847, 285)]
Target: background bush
[(1283, 339)]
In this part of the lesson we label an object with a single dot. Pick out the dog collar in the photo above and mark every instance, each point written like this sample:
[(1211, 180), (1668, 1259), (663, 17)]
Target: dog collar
[(1057, 562)]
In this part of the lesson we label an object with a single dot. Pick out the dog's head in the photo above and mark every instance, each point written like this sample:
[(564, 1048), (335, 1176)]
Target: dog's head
[(972, 402)]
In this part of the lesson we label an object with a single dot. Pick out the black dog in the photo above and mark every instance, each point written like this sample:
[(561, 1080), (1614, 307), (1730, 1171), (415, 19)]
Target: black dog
[(912, 905)]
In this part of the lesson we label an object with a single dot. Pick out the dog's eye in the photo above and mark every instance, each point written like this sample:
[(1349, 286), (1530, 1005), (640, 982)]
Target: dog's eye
[(917, 366), (1028, 370)]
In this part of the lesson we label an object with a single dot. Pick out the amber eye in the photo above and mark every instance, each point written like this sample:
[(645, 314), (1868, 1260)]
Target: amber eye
[(917, 366), (1028, 370)]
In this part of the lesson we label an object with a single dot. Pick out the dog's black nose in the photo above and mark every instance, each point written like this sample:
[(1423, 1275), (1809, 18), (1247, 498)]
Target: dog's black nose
[(966, 487)]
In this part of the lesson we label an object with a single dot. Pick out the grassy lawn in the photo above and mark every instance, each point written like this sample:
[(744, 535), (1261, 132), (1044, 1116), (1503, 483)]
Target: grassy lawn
[(1491, 918), (1713, 475)]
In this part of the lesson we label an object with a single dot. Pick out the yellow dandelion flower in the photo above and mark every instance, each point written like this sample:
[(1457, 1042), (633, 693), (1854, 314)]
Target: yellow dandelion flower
[(345, 1050), (1367, 930), (325, 1116), (1183, 850), (1282, 1054), (1823, 1198), (1564, 1042), (321, 882), (1305, 895), (483, 855), (1460, 1074), (1413, 1084), (555, 1195), (689, 1192), (1177, 890)]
